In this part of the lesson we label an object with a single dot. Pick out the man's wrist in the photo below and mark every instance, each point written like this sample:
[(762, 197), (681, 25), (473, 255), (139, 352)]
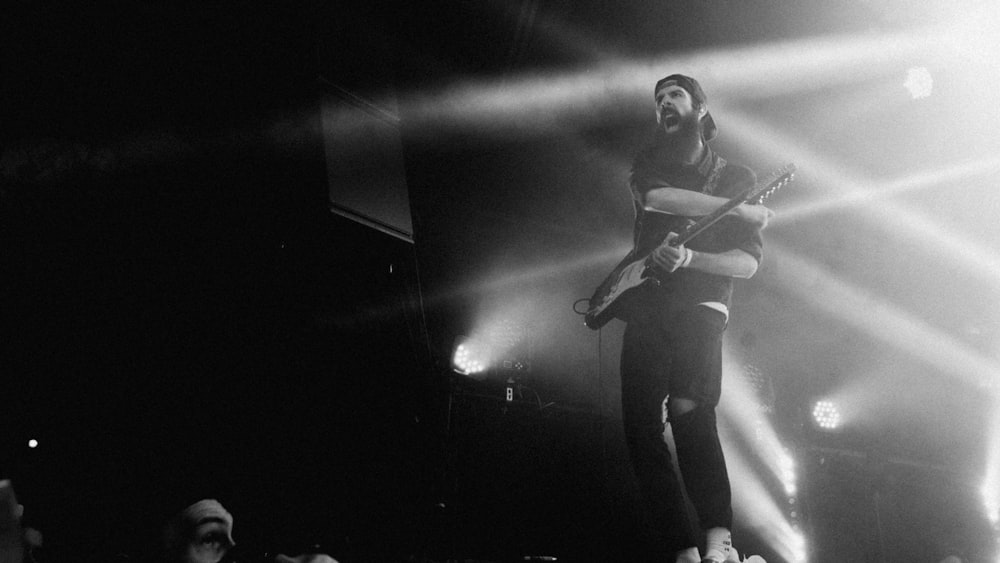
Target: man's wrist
[(688, 255)]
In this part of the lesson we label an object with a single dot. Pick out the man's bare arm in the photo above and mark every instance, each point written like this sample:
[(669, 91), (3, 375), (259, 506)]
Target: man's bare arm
[(733, 263)]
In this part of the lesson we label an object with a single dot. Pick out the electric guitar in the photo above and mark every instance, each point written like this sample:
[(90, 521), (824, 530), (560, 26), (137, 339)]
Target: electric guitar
[(631, 273)]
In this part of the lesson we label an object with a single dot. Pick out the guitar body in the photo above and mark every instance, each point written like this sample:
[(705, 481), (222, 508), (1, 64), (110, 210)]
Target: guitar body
[(621, 287), (618, 291)]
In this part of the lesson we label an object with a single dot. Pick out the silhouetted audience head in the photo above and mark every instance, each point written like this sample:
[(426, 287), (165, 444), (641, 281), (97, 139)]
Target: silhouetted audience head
[(201, 533), (308, 558)]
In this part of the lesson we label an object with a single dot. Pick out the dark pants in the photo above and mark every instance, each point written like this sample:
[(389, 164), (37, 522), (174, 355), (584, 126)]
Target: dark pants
[(676, 353)]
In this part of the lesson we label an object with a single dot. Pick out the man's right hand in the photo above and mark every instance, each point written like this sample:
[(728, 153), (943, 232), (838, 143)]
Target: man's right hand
[(755, 214)]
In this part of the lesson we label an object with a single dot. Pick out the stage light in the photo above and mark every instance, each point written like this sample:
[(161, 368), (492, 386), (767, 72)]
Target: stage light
[(788, 476), (799, 548), (992, 505), (826, 415), (919, 82), (991, 502), (787, 466), (746, 402), (470, 357), (990, 487), (761, 514)]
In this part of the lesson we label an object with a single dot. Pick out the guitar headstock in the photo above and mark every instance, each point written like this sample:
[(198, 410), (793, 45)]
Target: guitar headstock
[(774, 182)]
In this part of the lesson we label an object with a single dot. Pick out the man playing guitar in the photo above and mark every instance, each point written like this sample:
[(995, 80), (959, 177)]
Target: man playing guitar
[(672, 346)]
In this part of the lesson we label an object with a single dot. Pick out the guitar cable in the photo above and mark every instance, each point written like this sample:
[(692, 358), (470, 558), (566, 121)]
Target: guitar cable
[(600, 381)]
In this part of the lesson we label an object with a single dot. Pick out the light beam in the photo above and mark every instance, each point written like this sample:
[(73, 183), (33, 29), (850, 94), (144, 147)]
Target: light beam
[(878, 318)]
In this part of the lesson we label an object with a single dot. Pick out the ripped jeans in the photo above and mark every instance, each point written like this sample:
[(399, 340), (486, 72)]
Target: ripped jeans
[(678, 353)]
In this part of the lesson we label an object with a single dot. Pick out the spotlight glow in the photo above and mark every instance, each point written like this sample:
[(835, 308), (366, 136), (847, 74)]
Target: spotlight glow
[(992, 505), (799, 548), (919, 82), (470, 357), (990, 489), (758, 510), (534, 102), (771, 519), (751, 422), (498, 341), (826, 415), (32, 443), (774, 68), (789, 477)]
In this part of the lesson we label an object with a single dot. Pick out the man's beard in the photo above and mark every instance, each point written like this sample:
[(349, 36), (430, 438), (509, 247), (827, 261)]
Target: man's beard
[(689, 130)]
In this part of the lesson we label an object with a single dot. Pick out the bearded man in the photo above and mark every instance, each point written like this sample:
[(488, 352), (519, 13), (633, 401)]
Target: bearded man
[(672, 346)]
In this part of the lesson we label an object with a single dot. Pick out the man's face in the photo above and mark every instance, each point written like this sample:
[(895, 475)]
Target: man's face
[(209, 543), (675, 108)]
